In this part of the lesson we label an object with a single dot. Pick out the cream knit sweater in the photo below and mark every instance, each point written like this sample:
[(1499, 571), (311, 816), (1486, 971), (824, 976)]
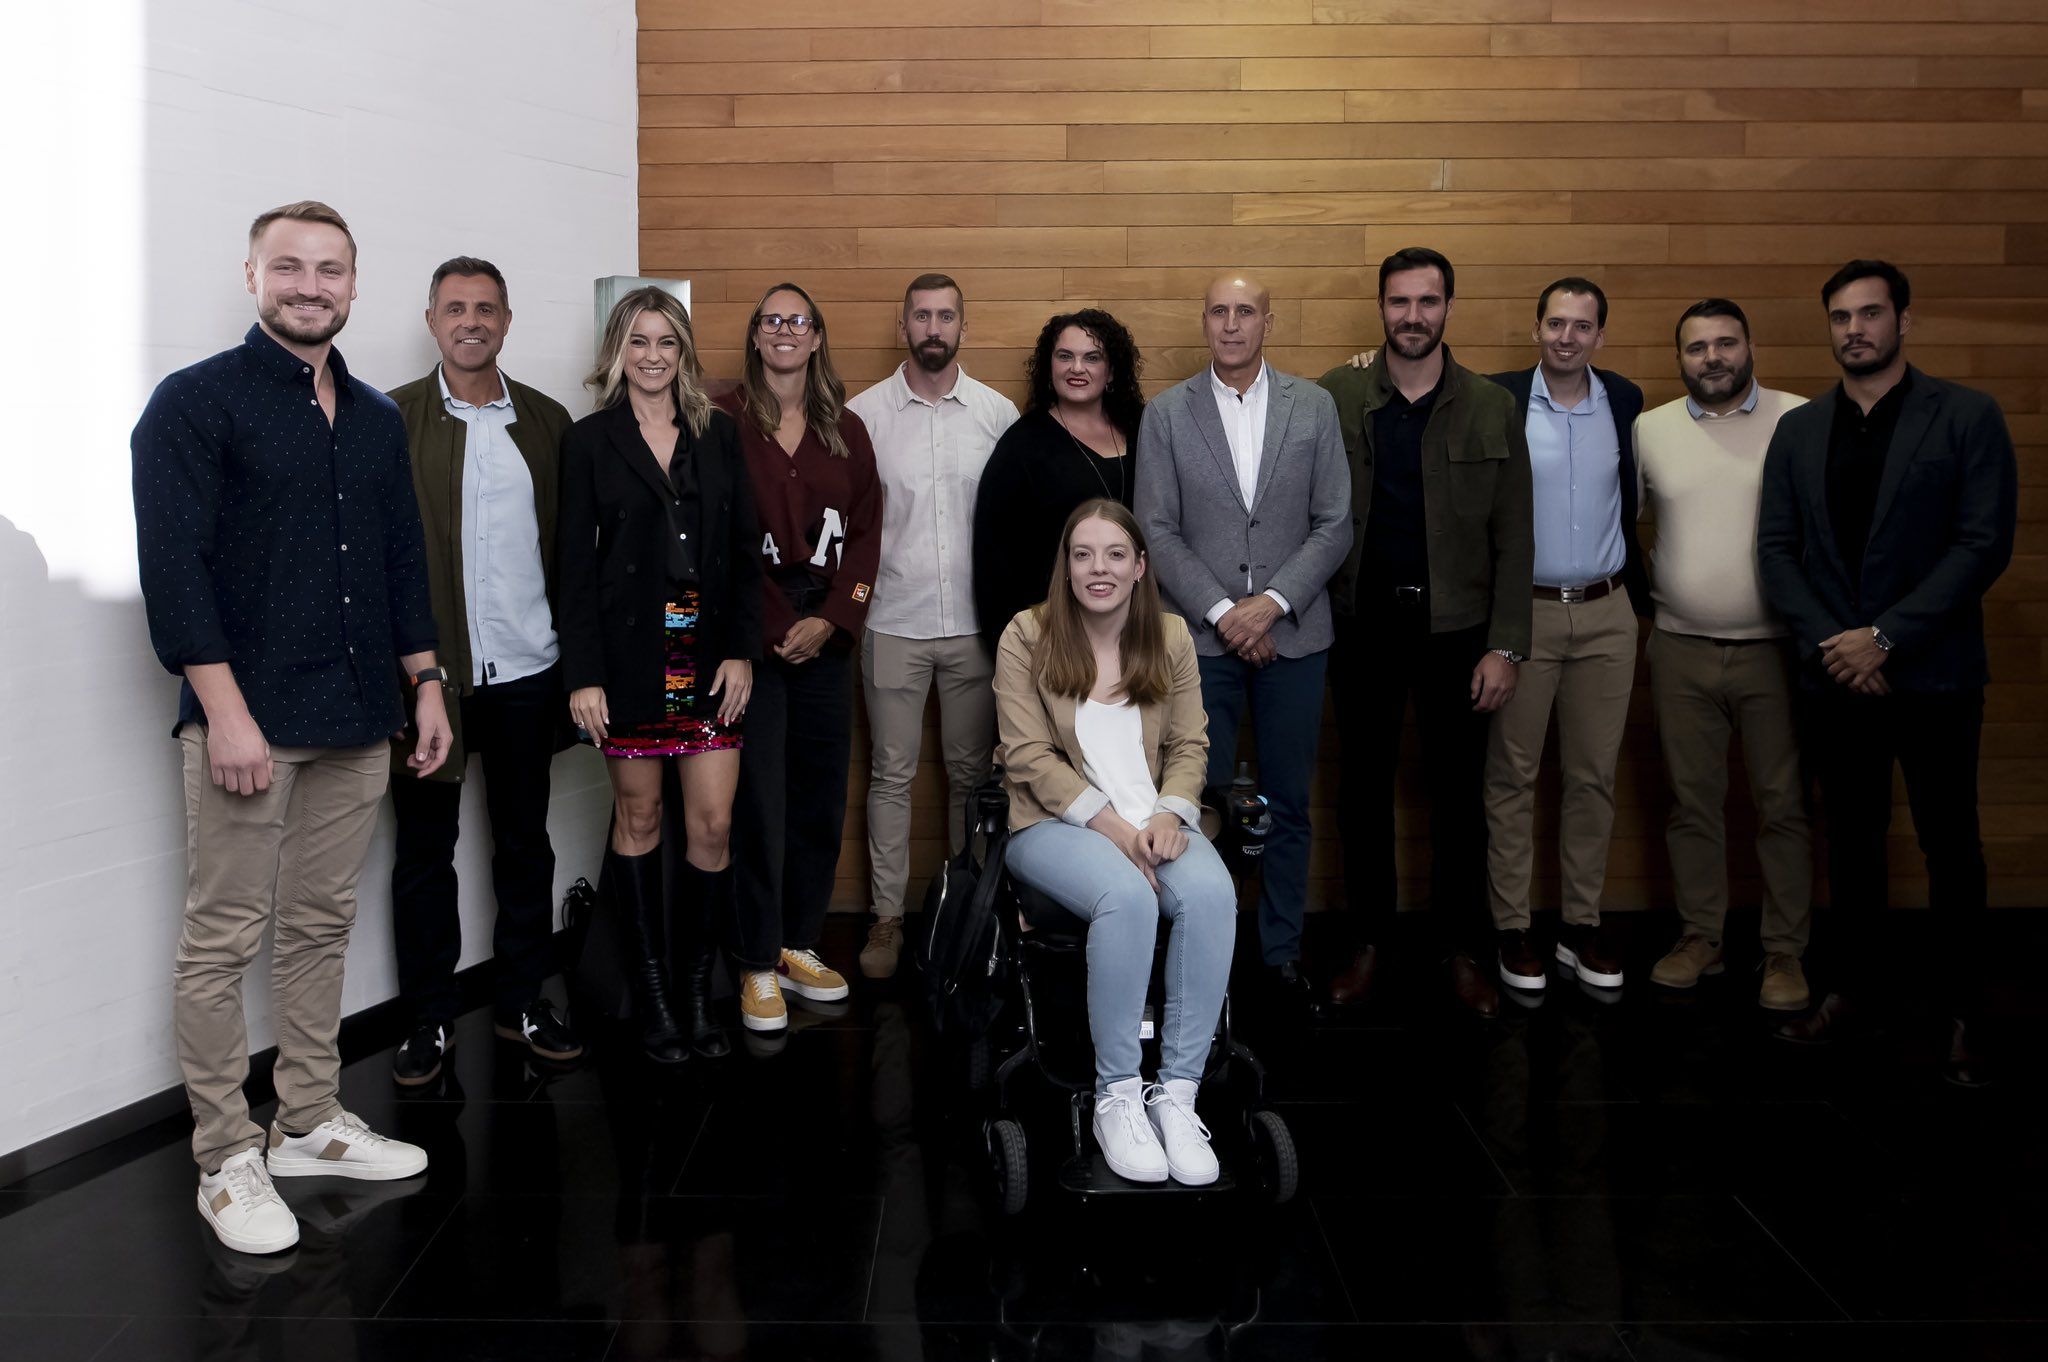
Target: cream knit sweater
[(1700, 480)]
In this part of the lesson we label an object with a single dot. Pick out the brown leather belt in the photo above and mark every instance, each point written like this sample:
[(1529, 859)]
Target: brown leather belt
[(1577, 595)]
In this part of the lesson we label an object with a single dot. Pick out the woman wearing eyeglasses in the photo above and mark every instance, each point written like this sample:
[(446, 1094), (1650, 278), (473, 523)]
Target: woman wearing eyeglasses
[(660, 623), (820, 507)]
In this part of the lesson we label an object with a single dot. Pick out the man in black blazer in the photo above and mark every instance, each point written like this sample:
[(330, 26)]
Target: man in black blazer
[(1888, 511), (1589, 587)]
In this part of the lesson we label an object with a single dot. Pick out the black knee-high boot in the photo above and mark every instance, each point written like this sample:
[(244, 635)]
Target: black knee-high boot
[(708, 908), (636, 885)]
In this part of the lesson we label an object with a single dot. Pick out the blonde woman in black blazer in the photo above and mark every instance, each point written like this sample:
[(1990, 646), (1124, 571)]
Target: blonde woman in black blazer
[(660, 627)]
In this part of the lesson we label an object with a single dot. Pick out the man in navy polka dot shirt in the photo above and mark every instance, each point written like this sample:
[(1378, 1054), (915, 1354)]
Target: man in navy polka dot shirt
[(283, 576)]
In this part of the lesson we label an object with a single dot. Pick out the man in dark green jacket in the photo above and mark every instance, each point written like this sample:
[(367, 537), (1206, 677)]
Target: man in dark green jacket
[(1432, 603), (484, 466)]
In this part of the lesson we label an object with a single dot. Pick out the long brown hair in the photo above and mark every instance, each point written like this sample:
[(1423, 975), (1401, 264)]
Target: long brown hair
[(1065, 661), (824, 394), (608, 375)]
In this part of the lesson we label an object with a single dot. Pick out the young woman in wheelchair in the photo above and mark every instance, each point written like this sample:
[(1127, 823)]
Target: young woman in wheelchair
[(1104, 751)]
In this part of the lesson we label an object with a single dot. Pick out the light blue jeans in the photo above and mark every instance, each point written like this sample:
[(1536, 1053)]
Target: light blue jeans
[(1085, 873)]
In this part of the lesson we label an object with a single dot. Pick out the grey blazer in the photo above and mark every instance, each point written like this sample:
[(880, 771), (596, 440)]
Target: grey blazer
[(1204, 540)]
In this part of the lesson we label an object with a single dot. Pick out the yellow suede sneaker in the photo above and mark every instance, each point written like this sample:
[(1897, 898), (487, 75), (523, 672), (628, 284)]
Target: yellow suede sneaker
[(805, 975), (761, 1005)]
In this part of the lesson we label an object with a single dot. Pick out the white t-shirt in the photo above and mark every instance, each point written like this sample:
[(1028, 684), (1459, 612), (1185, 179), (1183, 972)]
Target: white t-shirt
[(1112, 741)]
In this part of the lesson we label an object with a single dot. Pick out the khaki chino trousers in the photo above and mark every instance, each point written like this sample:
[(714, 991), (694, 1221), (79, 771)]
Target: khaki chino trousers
[(1706, 690), (897, 674), (290, 856), (1582, 664)]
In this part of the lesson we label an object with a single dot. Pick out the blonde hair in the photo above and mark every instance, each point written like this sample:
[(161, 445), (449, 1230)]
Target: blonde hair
[(608, 376), (824, 394), (305, 210), (1064, 661)]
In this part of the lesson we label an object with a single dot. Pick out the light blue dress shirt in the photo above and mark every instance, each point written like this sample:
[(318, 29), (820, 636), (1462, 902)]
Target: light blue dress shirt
[(504, 586), (1575, 471)]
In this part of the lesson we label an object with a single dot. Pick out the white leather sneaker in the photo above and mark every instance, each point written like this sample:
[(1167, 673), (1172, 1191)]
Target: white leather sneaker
[(243, 1206), (1128, 1145), (343, 1147), (1171, 1108)]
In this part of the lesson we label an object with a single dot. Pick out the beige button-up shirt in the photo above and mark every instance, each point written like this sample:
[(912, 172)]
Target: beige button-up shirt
[(930, 456)]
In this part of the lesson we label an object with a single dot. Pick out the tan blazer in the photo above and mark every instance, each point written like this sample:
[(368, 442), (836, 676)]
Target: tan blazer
[(1040, 755)]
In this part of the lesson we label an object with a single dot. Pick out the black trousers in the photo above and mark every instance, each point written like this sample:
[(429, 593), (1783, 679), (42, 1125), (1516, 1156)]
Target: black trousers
[(511, 726), (791, 811), (1384, 657), (1854, 742)]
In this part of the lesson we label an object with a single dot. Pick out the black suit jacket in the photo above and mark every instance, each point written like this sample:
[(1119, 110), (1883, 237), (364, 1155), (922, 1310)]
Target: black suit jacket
[(1625, 402), (612, 556), (1941, 534)]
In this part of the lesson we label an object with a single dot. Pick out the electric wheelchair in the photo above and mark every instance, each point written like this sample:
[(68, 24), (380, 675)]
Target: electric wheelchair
[(1017, 993)]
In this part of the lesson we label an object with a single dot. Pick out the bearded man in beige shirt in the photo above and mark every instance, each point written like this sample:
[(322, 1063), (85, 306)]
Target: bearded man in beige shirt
[(1720, 660)]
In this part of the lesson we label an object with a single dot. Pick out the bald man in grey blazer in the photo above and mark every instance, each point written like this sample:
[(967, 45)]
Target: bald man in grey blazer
[(1245, 498)]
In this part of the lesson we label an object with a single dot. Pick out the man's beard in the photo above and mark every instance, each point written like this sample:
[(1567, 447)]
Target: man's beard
[(1879, 361), (306, 330), (1411, 345), (933, 356), (1698, 386)]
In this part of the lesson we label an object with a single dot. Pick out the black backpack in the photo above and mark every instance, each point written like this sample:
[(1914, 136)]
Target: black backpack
[(961, 950)]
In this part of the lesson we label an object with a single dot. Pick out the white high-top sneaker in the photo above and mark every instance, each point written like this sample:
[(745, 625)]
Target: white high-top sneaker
[(343, 1146), (1171, 1108), (243, 1207), (1128, 1144)]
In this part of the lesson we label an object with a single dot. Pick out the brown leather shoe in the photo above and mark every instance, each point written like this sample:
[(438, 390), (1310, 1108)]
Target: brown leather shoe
[(1965, 1066), (1834, 1018), (1520, 966), (1585, 949), (1472, 988), (1354, 982)]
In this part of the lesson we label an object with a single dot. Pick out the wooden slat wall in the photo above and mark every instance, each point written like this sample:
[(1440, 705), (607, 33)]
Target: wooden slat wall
[(1054, 153)]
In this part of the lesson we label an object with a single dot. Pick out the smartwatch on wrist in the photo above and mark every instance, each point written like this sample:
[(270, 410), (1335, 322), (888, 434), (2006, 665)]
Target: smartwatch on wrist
[(426, 674)]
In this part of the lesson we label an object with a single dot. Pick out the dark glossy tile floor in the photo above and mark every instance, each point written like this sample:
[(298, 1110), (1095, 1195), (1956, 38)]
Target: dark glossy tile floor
[(1652, 1177)]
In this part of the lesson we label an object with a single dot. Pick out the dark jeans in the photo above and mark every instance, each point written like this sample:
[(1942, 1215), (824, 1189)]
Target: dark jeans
[(512, 727), (1286, 699), (791, 811), (1853, 742), (1382, 659)]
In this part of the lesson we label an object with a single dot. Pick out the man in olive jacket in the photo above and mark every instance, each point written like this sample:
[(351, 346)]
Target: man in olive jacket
[(1433, 602), (485, 466)]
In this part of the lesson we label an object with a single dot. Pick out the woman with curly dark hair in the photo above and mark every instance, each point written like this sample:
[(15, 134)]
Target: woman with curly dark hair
[(1076, 440)]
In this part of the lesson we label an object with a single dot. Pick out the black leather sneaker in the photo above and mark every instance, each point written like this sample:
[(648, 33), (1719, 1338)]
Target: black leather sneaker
[(541, 1031), (418, 1061)]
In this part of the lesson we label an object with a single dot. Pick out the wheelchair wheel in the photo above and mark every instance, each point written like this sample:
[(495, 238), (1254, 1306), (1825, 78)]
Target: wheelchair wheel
[(1273, 1147), (1008, 1155)]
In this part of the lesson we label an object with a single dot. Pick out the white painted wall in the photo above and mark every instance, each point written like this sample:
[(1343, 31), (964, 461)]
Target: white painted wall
[(147, 137)]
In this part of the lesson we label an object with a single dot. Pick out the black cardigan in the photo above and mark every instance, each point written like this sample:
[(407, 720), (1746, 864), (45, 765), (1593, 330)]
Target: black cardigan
[(1034, 479), (612, 553)]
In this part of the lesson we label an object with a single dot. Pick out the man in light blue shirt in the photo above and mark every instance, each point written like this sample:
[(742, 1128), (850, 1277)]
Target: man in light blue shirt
[(484, 468), (1588, 589)]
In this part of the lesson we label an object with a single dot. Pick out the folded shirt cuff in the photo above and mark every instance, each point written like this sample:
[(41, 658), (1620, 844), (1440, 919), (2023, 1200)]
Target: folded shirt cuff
[(1218, 611), (1281, 601), (1180, 808), (1086, 805)]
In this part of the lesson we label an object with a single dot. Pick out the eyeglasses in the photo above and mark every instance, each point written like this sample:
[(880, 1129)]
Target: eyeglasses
[(796, 323)]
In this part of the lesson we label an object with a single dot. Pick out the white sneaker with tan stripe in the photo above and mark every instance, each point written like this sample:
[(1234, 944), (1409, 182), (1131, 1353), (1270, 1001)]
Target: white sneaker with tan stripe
[(243, 1207), (343, 1147)]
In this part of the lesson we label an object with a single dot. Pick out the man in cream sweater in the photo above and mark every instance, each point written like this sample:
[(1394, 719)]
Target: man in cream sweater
[(1720, 661)]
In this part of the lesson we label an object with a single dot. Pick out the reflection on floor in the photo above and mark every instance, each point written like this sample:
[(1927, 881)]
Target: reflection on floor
[(1651, 1177)]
